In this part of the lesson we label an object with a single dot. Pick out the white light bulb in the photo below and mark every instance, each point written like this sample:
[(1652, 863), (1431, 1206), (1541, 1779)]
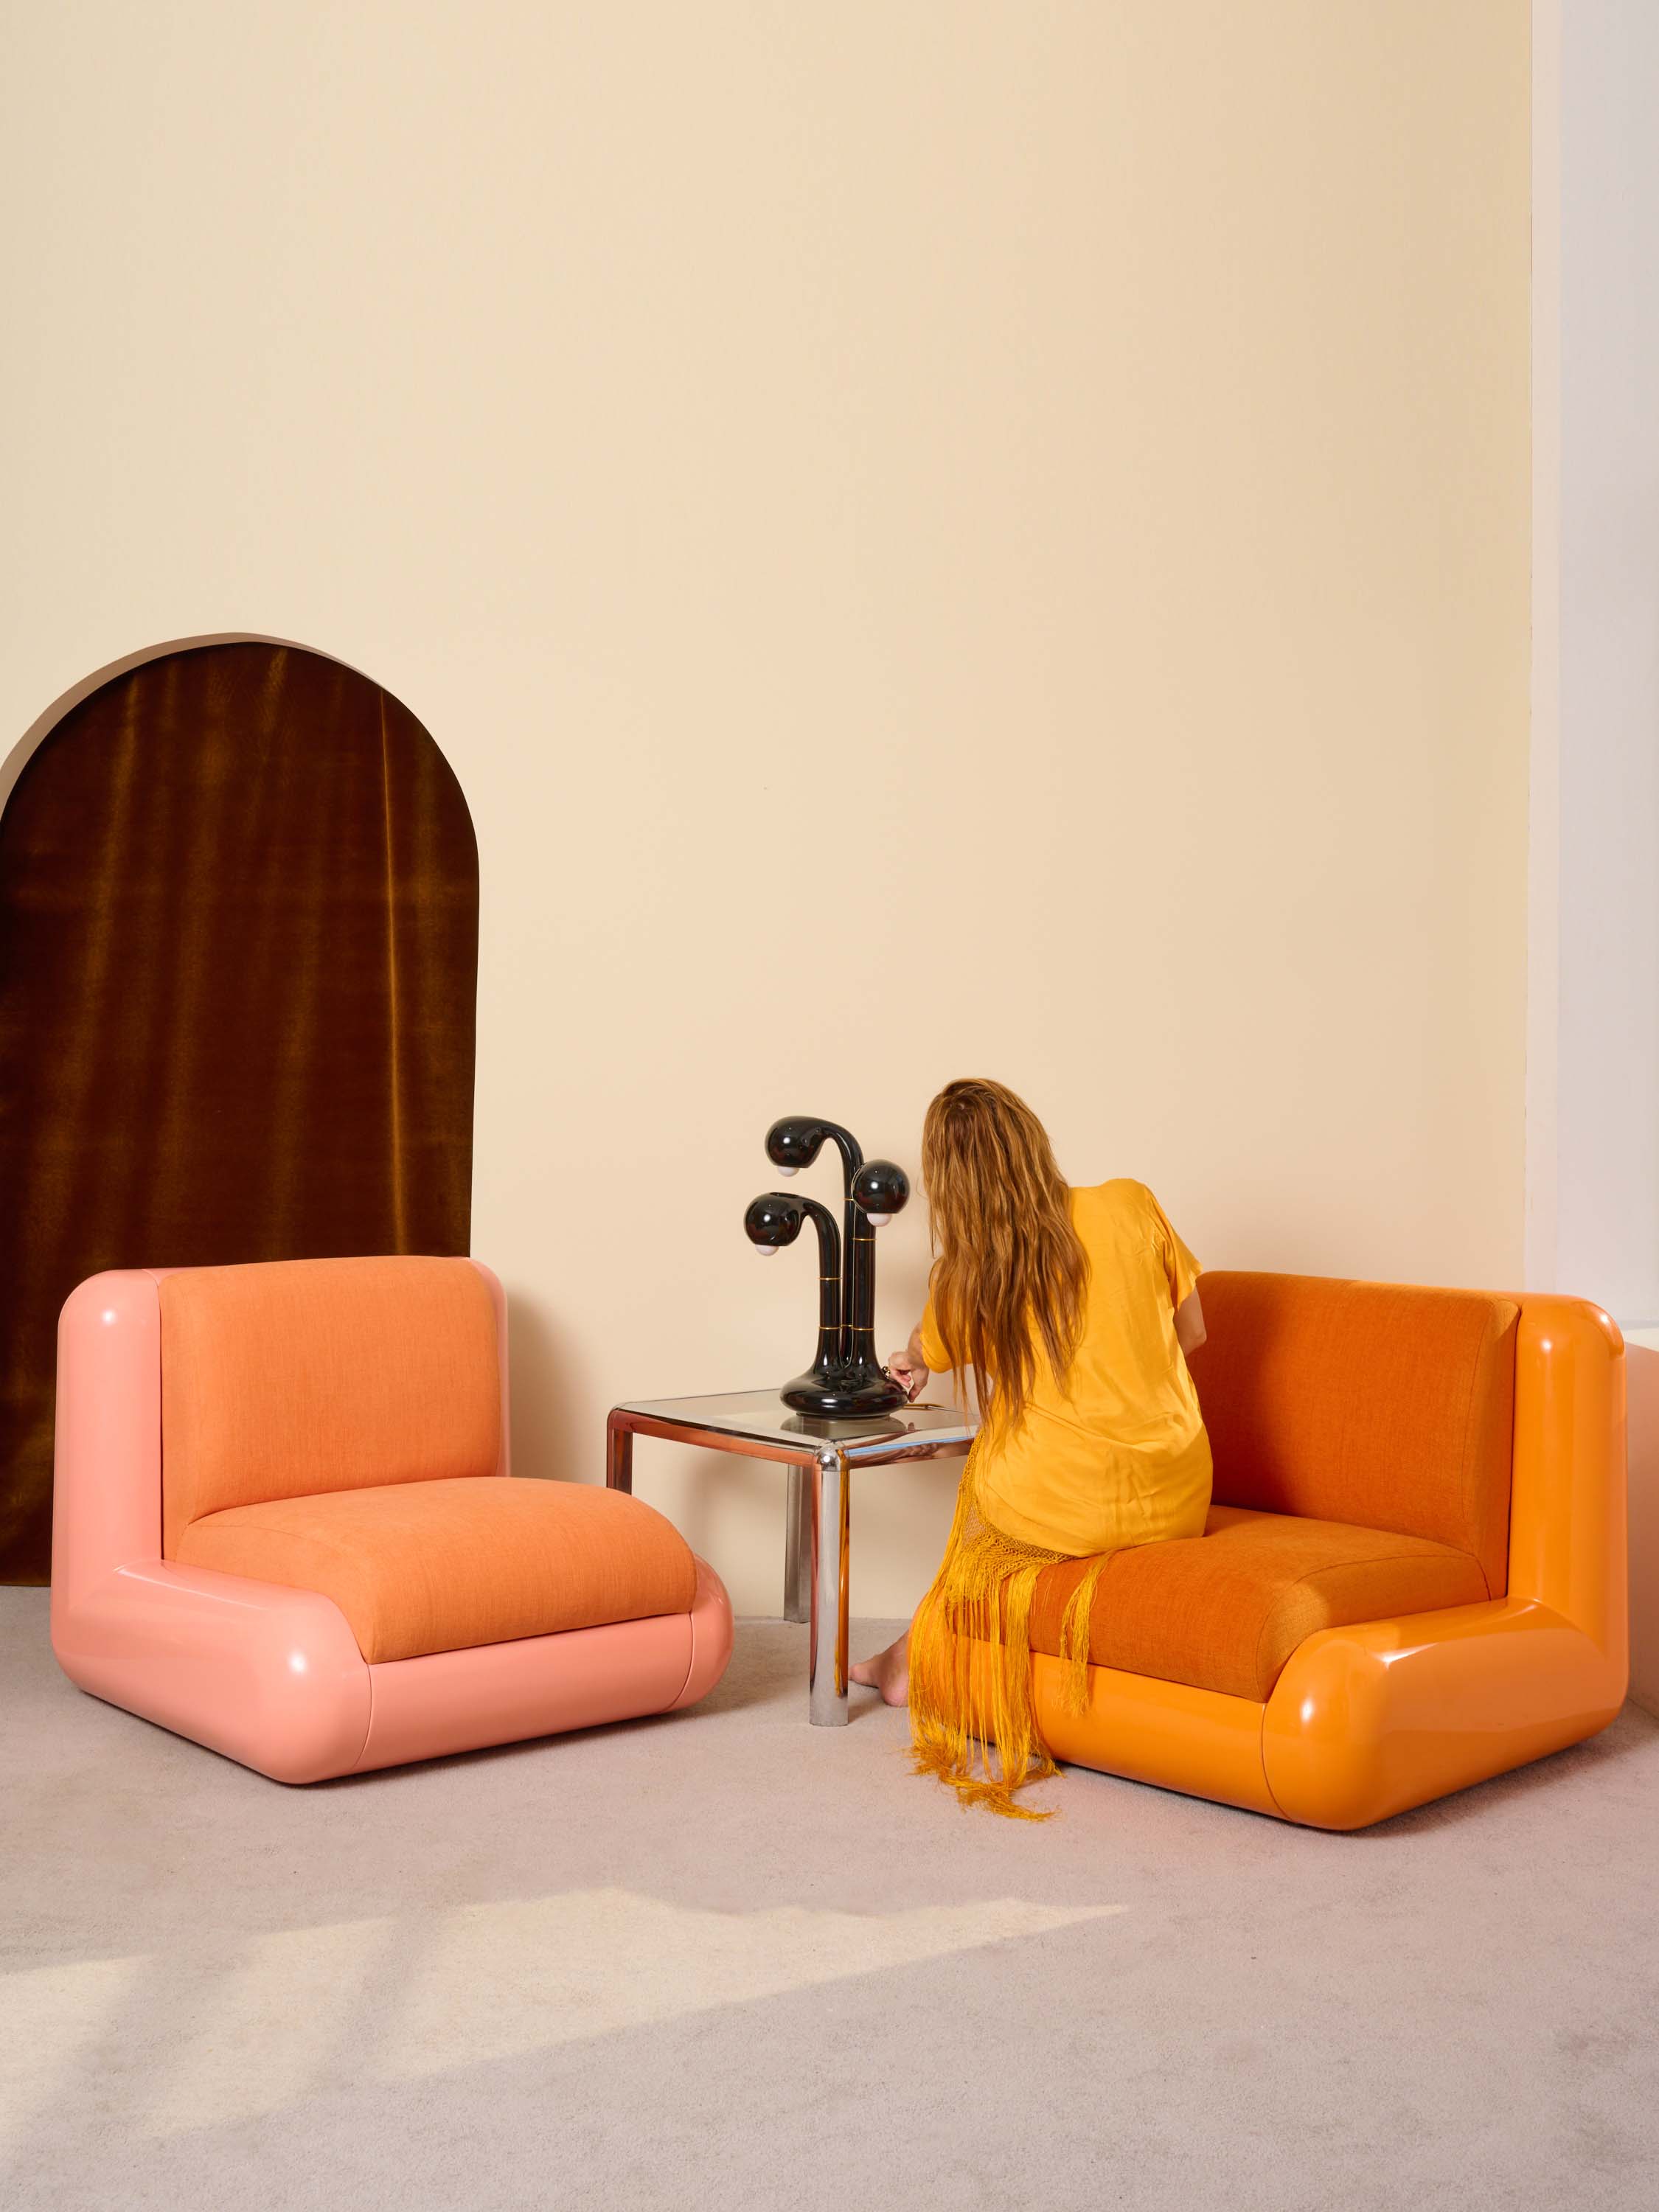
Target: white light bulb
[(878, 1220), (788, 1170), (766, 1251)]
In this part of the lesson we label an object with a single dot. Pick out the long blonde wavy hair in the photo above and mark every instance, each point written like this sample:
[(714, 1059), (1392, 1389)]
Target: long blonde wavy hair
[(1010, 1275)]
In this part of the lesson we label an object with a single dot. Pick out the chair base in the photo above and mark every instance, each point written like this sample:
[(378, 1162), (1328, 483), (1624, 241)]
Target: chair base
[(272, 1677), (1363, 1723)]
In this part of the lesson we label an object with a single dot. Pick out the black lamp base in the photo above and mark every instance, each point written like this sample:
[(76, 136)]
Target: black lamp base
[(844, 1394)]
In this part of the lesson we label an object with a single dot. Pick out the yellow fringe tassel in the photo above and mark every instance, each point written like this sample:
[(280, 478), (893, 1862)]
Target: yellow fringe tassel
[(970, 1663)]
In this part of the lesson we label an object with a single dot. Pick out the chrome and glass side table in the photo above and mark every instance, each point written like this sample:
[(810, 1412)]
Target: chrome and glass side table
[(820, 1456)]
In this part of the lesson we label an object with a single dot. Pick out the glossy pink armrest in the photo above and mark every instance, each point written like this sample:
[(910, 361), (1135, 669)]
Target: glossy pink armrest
[(270, 1676)]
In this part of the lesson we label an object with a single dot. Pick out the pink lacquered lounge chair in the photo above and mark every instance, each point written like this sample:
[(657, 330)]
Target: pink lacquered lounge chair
[(284, 1526)]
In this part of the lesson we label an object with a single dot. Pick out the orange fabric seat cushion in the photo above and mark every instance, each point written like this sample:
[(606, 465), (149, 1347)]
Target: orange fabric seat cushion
[(1382, 1405), (1225, 1611), (291, 1377), (444, 1565)]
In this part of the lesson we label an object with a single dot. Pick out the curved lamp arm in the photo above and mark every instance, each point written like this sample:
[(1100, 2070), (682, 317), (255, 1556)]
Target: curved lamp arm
[(795, 1142), (773, 1220), (879, 1190)]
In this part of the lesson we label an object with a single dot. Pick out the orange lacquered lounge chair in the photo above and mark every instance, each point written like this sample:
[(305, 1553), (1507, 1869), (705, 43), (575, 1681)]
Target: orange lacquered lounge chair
[(284, 1526), (1413, 1575)]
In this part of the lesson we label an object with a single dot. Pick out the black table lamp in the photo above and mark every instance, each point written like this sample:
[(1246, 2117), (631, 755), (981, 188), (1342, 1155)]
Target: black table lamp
[(846, 1380)]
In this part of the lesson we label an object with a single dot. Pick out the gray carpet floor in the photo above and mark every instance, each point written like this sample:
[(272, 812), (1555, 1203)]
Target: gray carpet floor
[(725, 1958)]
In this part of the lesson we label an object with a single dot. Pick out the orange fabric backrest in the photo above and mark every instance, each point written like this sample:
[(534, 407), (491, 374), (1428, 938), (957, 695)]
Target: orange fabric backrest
[(1379, 1404), (297, 1376)]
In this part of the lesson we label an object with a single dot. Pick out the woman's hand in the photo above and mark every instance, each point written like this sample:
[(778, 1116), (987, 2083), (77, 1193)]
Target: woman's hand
[(905, 1370)]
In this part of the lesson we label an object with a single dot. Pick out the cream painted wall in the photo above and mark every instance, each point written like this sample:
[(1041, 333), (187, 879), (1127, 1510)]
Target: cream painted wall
[(938, 538)]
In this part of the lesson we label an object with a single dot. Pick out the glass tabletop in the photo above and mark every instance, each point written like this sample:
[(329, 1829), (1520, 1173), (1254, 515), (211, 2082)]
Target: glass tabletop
[(908, 1432)]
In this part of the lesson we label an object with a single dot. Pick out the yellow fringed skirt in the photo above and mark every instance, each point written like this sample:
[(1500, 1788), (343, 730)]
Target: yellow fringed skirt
[(970, 1661)]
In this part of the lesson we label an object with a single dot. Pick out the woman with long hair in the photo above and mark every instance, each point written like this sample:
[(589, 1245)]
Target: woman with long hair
[(1072, 1311)]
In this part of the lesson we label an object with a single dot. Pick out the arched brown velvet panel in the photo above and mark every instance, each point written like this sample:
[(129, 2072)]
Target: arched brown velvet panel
[(238, 920)]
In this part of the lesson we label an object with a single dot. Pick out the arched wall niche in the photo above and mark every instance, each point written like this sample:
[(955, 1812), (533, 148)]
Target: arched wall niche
[(239, 902)]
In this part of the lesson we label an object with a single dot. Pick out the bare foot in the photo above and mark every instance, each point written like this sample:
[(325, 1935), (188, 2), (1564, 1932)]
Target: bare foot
[(888, 1672)]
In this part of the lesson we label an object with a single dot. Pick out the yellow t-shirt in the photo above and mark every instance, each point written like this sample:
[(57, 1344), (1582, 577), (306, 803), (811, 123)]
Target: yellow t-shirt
[(1118, 1455)]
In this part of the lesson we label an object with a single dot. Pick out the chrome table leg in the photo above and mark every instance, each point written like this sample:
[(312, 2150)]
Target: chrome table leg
[(797, 1549), (826, 1700), (618, 1455)]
